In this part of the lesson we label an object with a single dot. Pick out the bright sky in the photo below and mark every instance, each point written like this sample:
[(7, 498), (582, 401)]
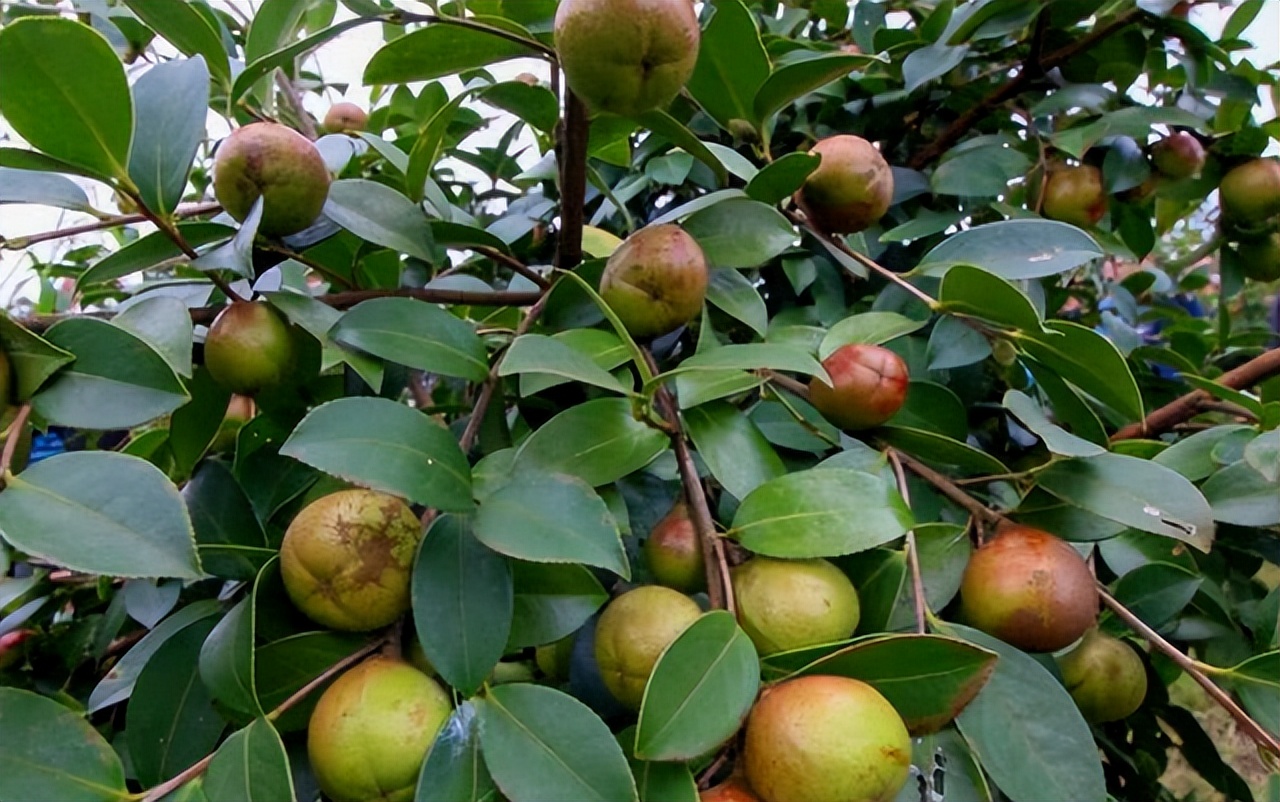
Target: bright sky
[(343, 60)]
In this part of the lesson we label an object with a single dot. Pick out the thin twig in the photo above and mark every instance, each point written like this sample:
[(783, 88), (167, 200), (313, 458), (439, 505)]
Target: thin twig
[(310, 263), (171, 231), (796, 388), (468, 438), (18, 243), (513, 263), (948, 488), (11, 442), (294, 99), (913, 552)]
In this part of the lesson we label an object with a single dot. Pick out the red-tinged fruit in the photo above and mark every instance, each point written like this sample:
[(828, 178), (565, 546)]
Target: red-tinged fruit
[(789, 604), (674, 553), (1105, 677), (869, 386), (733, 789), (11, 646), (345, 117), (851, 188), (249, 348), (656, 280), (633, 632), (1075, 195), (278, 164), (1250, 193), (1179, 155)]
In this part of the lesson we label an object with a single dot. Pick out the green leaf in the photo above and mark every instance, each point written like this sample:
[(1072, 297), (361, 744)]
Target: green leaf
[(693, 389), (30, 160), (659, 122), (236, 254), (1015, 249), (1255, 681), (537, 353), (541, 745), (186, 30), (732, 65), (284, 666), (101, 513), (1241, 495), (1056, 439), (551, 519), (602, 348), (795, 79), (440, 50), (426, 150), (149, 251), (454, 770), (598, 442), (954, 343), (46, 189), (821, 512), (982, 171), (259, 68), (777, 181), (227, 531), (1088, 360), (930, 62), (700, 691), (49, 752), (739, 456), (63, 89), (753, 356), (938, 449), (979, 293), (1193, 456), (116, 382), (551, 601), (1263, 453), (868, 328), (275, 23), (462, 601), (379, 214), (415, 334), (740, 232), (226, 660), (385, 446), (164, 323), (1157, 592), (195, 426), (34, 359), (735, 295), (172, 99), (655, 781), (535, 105), (250, 765)]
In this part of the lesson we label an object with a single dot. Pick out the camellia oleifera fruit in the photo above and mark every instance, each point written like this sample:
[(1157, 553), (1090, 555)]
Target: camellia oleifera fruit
[(632, 633), (734, 789), (1250, 193), (371, 730), (627, 56), (656, 280), (249, 348), (851, 188), (1105, 677), (869, 386), (787, 604), (1260, 258), (346, 559), (1029, 589), (278, 164), (826, 739), (1075, 195), (345, 117), (674, 553), (1179, 155)]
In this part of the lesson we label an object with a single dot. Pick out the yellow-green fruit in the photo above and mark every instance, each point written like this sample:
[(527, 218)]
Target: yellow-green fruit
[(787, 604), (1260, 258), (1250, 193), (346, 559), (656, 280), (627, 56), (553, 659), (674, 553), (632, 633), (826, 739), (851, 188), (371, 730), (1075, 195), (278, 164), (1105, 677), (240, 410), (249, 348), (345, 116)]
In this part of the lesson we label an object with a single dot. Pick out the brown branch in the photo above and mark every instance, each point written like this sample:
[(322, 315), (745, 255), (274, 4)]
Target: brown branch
[(307, 261), (11, 441), (571, 151), (294, 100), (515, 264), (948, 488), (1246, 724), (171, 231), (481, 406), (913, 551), (796, 388), (18, 243), (1182, 409)]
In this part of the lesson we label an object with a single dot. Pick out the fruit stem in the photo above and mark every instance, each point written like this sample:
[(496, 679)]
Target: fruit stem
[(949, 489), (11, 441), (913, 553), (171, 231), (468, 438)]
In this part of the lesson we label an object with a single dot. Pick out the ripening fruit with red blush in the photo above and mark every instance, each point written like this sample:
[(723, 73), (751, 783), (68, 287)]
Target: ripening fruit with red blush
[(869, 386)]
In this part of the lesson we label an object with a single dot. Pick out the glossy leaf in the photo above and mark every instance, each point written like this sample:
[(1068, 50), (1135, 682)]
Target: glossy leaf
[(439, 50), (598, 442), (250, 765), (868, 328), (739, 456), (172, 98), (282, 667), (732, 293), (1089, 361), (260, 67), (1157, 592), (740, 232), (226, 660), (34, 359), (379, 214), (1239, 494), (799, 77), (1056, 439), (231, 541), (415, 334), (149, 251), (537, 353), (732, 65), (186, 30), (46, 189), (455, 770), (753, 356), (978, 293), (49, 752), (1016, 249), (551, 601), (776, 182), (655, 780), (163, 323), (1257, 681)]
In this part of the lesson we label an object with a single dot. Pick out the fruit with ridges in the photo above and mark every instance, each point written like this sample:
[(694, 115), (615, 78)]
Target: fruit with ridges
[(1260, 258), (1029, 589), (674, 553), (851, 188), (371, 730), (278, 164), (346, 559), (1105, 677), (1179, 155), (734, 789), (627, 56), (632, 633), (249, 348), (345, 116), (1075, 195), (826, 739), (1250, 193), (656, 280), (787, 604), (869, 386)]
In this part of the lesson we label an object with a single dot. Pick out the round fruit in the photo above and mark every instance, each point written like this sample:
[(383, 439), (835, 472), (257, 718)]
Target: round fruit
[(852, 187), (674, 553), (1105, 677), (731, 790), (1250, 193), (553, 659), (11, 646), (371, 730), (632, 633), (869, 386), (249, 348), (826, 739), (1178, 155), (1029, 589), (240, 410), (278, 164), (345, 116), (627, 56), (656, 280), (1075, 195), (346, 559), (787, 604), (1260, 258)]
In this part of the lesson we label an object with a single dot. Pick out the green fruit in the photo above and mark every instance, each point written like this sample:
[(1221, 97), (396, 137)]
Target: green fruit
[(249, 348), (346, 559), (869, 386), (787, 604), (1105, 677), (553, 659), (851, 188), (626, 56), (278, 164), (1178, 155), (674, 553), (633, 632), (826, 739), (345, 117), (1250, 193), (656, 280), (1075, 195), (1260, 258), (240, 410), (372, 729), (1029, 589)]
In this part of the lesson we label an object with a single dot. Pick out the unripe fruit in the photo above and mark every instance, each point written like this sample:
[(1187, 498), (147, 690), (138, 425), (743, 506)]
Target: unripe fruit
[(731, 790), (345, 116), (632, 633), (1179, 155), (11, 646), (249, 348), (788, 604), (1029, 589), (656, 280), (674, 553), (851, 188), (553, 659), (1075, 195), (346, 559), (627, 56), (826, 739), (276, 163), (869, 386), (240, 410), (1105, 677), (1250, 193), (372, 729), (1260, 258)]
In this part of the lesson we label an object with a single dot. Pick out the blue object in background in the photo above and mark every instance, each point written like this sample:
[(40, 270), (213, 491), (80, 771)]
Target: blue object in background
[(46, 445)]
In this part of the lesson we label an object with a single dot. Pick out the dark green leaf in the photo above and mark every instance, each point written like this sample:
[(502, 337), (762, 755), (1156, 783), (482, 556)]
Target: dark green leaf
[(1157, 592), (537, 353), (798, 78), (1056, 439), (739, 456), (776, 182), (259, 68), (979, 293), (930, 62), (47, 189), (49, 752), (732, 65), (250, 765), (227, 531), (551, 601), (740, 232), (664, 125), (149, 251), (598, 442), (226, 660), (735, 295), (186, 30), (416, 334), (656, 781), (1240, 495), (1088, 360), (454, 770), (868, 328), (284, 666), (34, 359), (163, 323), (379, 214), (938, 449), (440, 50), (172, 99)]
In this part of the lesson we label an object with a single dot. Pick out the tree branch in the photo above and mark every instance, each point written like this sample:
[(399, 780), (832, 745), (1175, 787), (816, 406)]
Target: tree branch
[(571, 152), (19, 243), (11, 439), (171, 231), (513, 263), (481, 406), (913, 552), (948, 488)]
